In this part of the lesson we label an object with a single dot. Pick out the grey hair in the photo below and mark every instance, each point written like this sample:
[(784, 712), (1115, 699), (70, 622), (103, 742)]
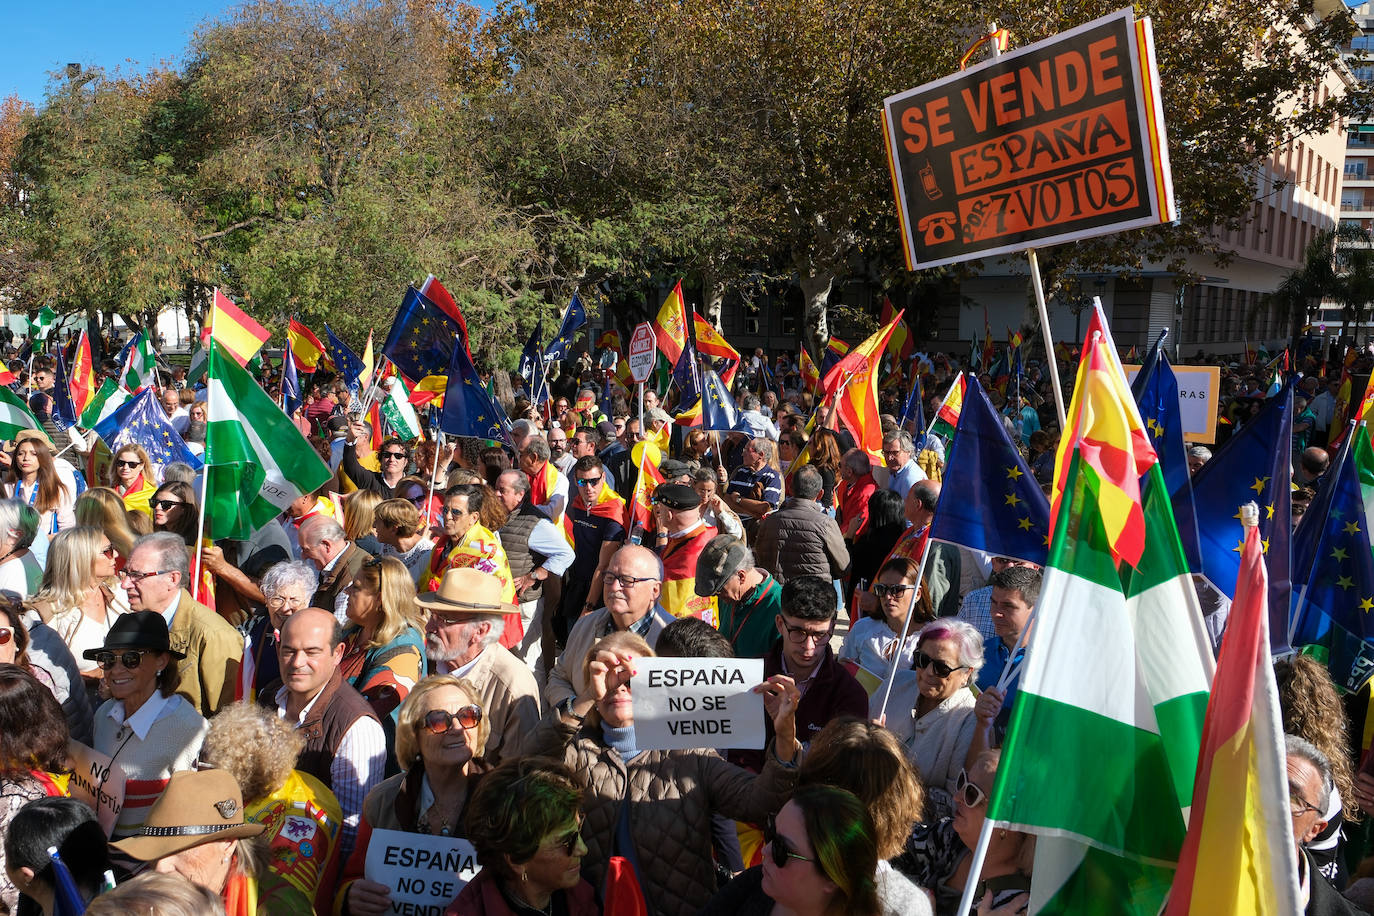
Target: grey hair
[(1294, 746), (19, 517), (170, 550), (539, 446), (964, 635), (808, 483), (521, 428), (322, 528), (178, 470), (288, 573), (902, 438), (1200, 451), (857, 461), (494, 632), (516, 478), (750, 402)]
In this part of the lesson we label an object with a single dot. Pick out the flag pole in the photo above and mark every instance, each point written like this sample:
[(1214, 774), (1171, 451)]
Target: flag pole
[(906, 628), (204, 467), (434, 469), (1052, 363)]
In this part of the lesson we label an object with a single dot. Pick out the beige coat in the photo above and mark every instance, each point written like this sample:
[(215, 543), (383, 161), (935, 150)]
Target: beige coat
[(214, 651), (510, 701)]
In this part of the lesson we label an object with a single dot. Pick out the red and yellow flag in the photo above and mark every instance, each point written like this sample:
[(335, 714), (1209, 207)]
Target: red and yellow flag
[(711, 343), (670, 327), (82, 385), (811, 376), (853, 383), (306, 348), (608, 505), (901, 343), (609, 340), (641, 505), (240, 336), (953, 404), (429, 391)]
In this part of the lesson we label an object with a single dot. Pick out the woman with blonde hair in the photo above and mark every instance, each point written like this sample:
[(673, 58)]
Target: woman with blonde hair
[(33, 479), (104, 508), (79, 596), (131, 477), (359, 510), (384, 647)]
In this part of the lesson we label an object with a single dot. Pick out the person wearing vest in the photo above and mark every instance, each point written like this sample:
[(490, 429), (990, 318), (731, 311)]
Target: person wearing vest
[(749, 598), (323, 543), (535, 549), (682, 535), (345, 747)]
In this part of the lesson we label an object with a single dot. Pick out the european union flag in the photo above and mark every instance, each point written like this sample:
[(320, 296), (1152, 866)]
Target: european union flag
[(141, 421), (422, 337), (1333, 566), (913, 411), (1256, 464), (574, 318), (63, 411), (992, 501), (718, 410), (290, 382), (468, 408), (687, 372), (1156, 394), (532, 366), (348, 363)]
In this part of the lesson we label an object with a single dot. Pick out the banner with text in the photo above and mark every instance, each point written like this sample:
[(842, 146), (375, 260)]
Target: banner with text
[(1059, 140), (424, 872), (98, 781), (698, 702), (1199, 387)]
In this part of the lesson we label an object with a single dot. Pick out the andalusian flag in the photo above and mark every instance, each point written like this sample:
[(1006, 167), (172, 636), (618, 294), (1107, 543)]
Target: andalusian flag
[(1113, 696), (853, 383), (1239, 856), (42, 323), (399, 412), (15, 416), (109, 398), (240, 336), (81, 383), (947, 419), (306, 348), (670, 326), (249, 482), (140, 369)]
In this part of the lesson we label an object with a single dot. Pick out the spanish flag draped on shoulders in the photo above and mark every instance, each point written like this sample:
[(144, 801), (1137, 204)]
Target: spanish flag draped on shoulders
[(545, 484), (679, 550), (481, 550), (609, 504)]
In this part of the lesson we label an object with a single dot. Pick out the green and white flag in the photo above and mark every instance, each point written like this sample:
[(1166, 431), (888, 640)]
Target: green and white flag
[(109, 398), (1104, 736), (141, 369), (15, 416), (399, 413), (256, 461), (42, 323)]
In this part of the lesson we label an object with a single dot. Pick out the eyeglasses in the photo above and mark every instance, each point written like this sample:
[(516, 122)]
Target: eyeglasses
[(130, 659), (5, 635), (167, 503), (453, 513), (589, 481), (128, 464), (626, 581), (439, 721), (110, 551), (782, 848), (882, 591), (277, 602), (965, 788), (394, 456), (568, 841), (941, 669), (135, 576), (1298, 805), (801, 635)]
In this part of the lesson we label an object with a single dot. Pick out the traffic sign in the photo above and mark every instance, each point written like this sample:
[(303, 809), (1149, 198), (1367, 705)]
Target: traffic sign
[(642, 352)]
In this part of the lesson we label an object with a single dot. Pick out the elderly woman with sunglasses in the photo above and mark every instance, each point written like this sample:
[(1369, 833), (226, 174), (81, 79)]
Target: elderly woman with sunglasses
[(439, 734), (872, 641), (931, 707), (148, 729)]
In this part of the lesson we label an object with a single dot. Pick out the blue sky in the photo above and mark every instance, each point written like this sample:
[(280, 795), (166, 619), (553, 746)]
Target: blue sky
[(129, 35)]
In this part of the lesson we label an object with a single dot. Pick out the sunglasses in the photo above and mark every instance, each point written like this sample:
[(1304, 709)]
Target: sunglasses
[(968, 790), (395, 456), (130, 659), (110, 551), (128, 464), (939, 668), (782, 849), (134, 576), (568, 842), (588, 481), (439, 721), (882, 591), (167, 503), (6, 634)]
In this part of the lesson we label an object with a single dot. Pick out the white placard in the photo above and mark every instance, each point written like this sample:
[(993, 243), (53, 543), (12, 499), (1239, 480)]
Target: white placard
[(424, 872), (1198, 390), (698, 702), (97, 781)]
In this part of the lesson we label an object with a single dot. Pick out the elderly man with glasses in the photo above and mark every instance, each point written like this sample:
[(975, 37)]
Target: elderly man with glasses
[(632, 583)]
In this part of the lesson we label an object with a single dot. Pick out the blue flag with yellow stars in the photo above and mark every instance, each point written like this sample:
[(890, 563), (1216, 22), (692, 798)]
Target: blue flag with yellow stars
[(1255, 464), (531, 367), (468, 407), (574, 318), (687, 373), (1332, 556), (63, 411), (290, 382), (913, 411), (422, 337), (718, 410), (1156, 394), (994, 503), (141, 421), (348, 364)]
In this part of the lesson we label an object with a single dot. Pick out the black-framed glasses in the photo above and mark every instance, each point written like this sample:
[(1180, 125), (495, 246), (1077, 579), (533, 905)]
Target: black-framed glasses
[(129, 659), (940, 669), (166, 504), (781, 846), (1297, 805), (882, 591), (801, 635), (439, 721), (135, 576), (626, 581), (395, 456), (965, 788), (128, 464), (589, 481)]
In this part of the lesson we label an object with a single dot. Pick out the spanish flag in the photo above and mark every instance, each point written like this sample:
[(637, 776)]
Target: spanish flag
[(811, 376), (1238, 857), (670, 327), (853, 383), (947, 418), (429, 391), (306, 348), (901, 344), (609, 340), (240, 336), (710, 343), (608, 505)]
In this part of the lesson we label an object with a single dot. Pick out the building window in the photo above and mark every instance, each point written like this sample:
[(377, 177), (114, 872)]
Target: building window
[(789, 325), (751, 325)]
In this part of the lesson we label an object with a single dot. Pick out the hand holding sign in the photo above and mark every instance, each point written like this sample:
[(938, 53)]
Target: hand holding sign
[(368, 898)]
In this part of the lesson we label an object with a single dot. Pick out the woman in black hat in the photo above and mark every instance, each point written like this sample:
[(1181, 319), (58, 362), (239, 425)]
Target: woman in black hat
[(148, 730)]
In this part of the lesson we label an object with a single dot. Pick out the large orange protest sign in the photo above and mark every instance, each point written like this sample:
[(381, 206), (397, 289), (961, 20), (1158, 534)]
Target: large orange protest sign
[(1063, 139)]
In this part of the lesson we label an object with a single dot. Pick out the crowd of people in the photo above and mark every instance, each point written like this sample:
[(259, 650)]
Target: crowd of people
[(440, 641)]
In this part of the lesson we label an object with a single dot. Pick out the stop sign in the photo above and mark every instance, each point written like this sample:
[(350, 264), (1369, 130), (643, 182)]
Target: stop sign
[(642, 351)]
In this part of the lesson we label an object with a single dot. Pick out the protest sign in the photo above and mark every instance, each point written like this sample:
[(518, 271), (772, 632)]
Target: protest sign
[(697, 702), (424, 872), (97, 781), (1059, 140), (1198, 389)]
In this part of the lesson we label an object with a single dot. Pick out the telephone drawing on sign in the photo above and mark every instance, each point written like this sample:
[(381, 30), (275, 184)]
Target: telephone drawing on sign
[(937, 228)]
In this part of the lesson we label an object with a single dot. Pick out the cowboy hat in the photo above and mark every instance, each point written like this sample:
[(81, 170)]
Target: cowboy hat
[(467, 591), (197, 807)]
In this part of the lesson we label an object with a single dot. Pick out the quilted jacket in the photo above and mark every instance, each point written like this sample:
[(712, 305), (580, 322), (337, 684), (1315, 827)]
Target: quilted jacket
[(672, 795)]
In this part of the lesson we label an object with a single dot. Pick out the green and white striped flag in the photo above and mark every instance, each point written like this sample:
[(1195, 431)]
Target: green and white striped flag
[(109, 398), (399, 413), (249, 482), (1105, 732), (141, 369), (42, 323), (15, 416)]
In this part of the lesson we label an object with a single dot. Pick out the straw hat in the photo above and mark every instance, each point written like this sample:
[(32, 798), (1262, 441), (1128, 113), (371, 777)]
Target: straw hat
[(196, 808), (467, 591)]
